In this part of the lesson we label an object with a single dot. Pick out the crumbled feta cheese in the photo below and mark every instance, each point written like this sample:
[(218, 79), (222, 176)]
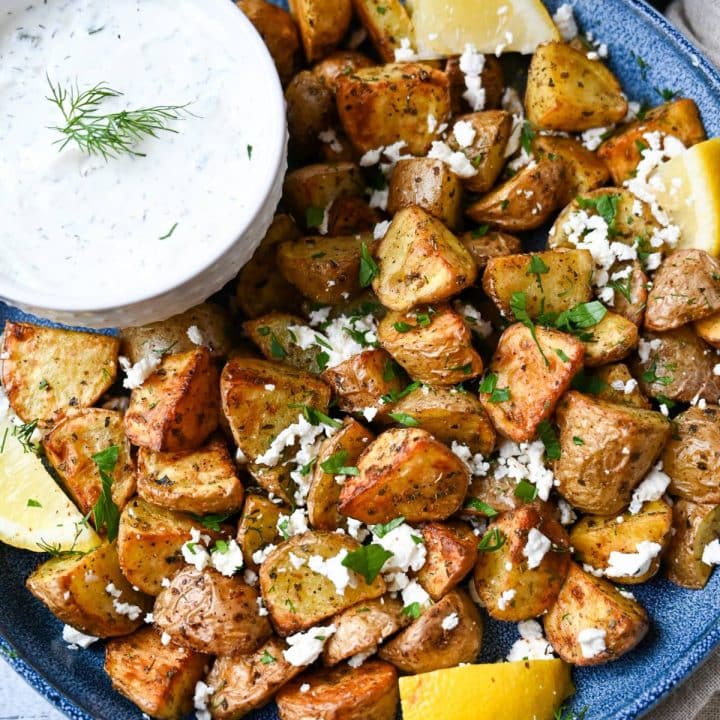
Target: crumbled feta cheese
[(302, 432), (270, 387), (626, 594), (194, 551), (624, 387), (505, 598), (592, 642), (356, 530), (406, 554), (329, 137), (536, 548), (203, 693), (524, 461), (450, 622), (464, 133), (592, 138), (294, 524), (564, 19), (357, 660), (405, 52), (474, 319), (122, 608), (76, 639), (229, 562), (415, 593), (532, 644), (149, 618), (165, 582), (648, 347), (240, 457), (259, 556), (137, 374), (195, 335), (319, 317), (250, 577), (262, 610), (711, 553), (379, 199), (380, 229), (333, 569), (472, 63), (305, 647), (369, 413), (165, 639), (567, 514), (592, 570), (716, 369), (632, 564), (475, 464), (653, 487), (305, 687), (456, 161)]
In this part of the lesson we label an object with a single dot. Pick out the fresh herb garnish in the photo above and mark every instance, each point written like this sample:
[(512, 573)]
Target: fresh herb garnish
[(489, 386), (578, 440), (537, 267), (589, 384), (395, 395), (404, 419), (314, 217), (518, 305), (403, 327), (492, 540), (480, 506), (168, 233), (606, 207), (23, 433), (211, 522), (546, 433), (105, 512), (480, 231), (527, 135), (367, 561), (335, 464), (267, 658), (383, 529), (651, 376), (317, 417), (412, 610), (526, 491), (368, 267), (33, 503)]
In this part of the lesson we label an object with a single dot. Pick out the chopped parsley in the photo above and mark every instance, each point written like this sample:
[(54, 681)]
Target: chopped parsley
[(105, 513), (412, 610), (367, 561), (383, 529), (480, 506), (606, 207), (404, 419), (369, 269), (336, 464), (492, 540), (526, 491), (489, 386), (314, 217), (546, 433)]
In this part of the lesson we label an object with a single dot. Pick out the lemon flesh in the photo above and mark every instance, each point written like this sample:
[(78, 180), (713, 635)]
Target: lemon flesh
[(690, 193), (444, 27), (531, 690), (34, 512)]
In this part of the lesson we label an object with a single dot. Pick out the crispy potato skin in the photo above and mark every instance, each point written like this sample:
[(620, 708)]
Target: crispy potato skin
[(536, 589), (535, 387), (159, 679), (620, 445), (310, 111), (339, 63), (386, 29), (322, 24), (298, 598), (381, 105), (405, 472), (709, 330), (589, 602), (74, 590), (258, 526), (46, 371), (609, 374), (369, 692), (426, 646), (614, 338), (485, 246), (351, 215)]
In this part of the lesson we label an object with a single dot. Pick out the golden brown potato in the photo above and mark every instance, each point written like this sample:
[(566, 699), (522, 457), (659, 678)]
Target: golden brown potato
[(484, 245), (568, 91), (74, 589), (159, 679), (514, 566), (426, 645), (258, 526), (276, 339), (310, 111), (369, 692), (451, 552), (621, 153), (45, 371), (379, 106), (529, 377), (488, 491), (709, 330), (256, 414), (613, 338), (629, 394), (177, 407), (595, 537), (361, 628), (351, 215), (434, 345), (339, 63), (275, 481), (201, 481), (387, 22), (70, 446), (298, 597), (563, 283), (420, 261), (695, 526), (692, 455), (631, 300), (616, 446), (585, 603), (341, 450), (209, 612), (524, 202), (492, 82), (322, 24), (405, 472)]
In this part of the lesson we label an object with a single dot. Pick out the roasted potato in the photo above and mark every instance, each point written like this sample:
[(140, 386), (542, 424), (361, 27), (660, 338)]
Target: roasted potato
[(351, 215), (387, 22), (489, 491), (45, 370), (310, 111), (339, 63), (616, 446), (534, 375), (298, 597), (631, 301), (613, 339), (276, 481), (492, 82), (277, 340), (586, 602), (405, 472), (258, 526), (426, 645), (160, 679), (322, 24), (342, 693), (709, 330), (629, 394), (483, 245), (75, 590), (420, 262)]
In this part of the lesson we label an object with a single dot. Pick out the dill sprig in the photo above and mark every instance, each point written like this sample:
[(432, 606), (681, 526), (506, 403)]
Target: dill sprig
[(107, 134), (56, 550), (24, 434)]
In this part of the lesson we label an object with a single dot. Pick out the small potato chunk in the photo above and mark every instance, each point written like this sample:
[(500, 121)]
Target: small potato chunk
[(631, 302), (310, 111), (258, 526), (433, 346), (387, 22), (629, 394), (379, 106), (74, 589), (451, 552), (586, 602), (298, 597), (534, 382), (369, 692), (618, 446), (209, 612), (695, 526), (322, 24), (256, 414), (341, 450), (405, 472), (595, 537), (339, 63), (536, 588), (613, 339), (492, 82), (275, 480), (524, 202), (177, 407), (483, 245), (363, 627), (159, 679), (426, 645), (274, 336), (70, 446), (686, 287), (563, 283), (201, 481), (351, 215), (45, 371), (692, 455), (420, 261), (568, 91), (488, 491), (709, 330), (429, 184)]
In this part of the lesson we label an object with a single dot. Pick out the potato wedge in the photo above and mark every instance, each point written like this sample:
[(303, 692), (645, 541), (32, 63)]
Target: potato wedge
[(258, 526), (387, 23), (339, 63), (613, 339), (426, 645), (586, 602), (45, 370), (276, 340), (567, 91), (405, 472), (611, 376), (618, 445), (322, 24), (484, 245), (159, 679), (709, 330), (310, 111)]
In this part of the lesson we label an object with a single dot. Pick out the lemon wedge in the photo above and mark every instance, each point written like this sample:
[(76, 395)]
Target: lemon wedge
[(531, 690), (690, 193), (35, 513), (444, 27)]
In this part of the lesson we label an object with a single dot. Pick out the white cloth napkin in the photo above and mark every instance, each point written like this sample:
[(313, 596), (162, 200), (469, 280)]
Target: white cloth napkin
[(700, 21)]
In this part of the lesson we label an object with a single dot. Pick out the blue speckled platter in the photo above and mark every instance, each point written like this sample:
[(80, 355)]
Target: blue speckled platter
[(685, 624)]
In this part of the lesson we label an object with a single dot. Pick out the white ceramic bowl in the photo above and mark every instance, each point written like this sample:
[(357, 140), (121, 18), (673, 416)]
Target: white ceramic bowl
[(242, 231)]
